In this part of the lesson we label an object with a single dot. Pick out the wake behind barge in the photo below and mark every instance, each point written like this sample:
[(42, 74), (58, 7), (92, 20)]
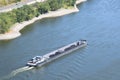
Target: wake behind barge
[(38, 61)]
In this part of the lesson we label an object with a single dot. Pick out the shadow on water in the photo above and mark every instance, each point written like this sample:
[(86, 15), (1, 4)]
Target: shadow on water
[(27, 29), (5, 43)]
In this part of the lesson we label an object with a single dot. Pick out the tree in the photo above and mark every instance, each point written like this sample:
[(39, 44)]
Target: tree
[(43, 7), (54, 5), (5, 22)]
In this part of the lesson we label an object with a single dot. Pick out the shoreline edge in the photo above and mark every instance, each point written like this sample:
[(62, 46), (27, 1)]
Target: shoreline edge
[(14, 31)]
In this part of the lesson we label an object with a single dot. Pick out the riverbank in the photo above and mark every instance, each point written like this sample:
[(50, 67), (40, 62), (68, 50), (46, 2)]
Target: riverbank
[(14, 30)]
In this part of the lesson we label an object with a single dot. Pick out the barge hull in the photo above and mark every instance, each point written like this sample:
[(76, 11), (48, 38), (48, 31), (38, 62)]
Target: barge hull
[(60, 55)]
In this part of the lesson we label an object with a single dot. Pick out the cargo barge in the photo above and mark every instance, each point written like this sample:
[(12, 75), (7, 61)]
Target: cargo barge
[(38, 61)]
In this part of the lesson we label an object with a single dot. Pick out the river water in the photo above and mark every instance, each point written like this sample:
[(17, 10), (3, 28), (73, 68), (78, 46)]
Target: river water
[(98, 22)]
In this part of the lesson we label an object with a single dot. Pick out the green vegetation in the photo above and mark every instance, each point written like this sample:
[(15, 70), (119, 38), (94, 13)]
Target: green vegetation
[(27, 12)]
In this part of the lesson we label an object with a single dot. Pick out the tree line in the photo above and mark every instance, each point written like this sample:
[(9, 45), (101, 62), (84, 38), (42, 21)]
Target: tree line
[(27, 12)]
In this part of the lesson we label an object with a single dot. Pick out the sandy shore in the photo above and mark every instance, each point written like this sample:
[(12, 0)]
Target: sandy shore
[(14, 30)]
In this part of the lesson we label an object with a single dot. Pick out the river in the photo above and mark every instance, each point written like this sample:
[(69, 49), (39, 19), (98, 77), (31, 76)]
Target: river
[(98, 22)]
